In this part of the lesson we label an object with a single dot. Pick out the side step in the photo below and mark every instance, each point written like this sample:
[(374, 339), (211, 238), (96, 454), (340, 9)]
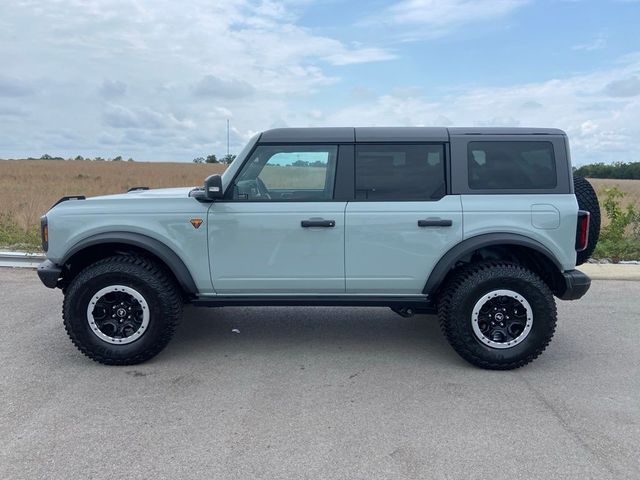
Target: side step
[(416, 304)]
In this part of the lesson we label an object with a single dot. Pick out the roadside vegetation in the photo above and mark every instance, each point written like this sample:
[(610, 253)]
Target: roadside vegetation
[(29, 187), (620, 236)]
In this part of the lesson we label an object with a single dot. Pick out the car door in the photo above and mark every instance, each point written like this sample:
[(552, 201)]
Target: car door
[(280, 230), (402, 220)]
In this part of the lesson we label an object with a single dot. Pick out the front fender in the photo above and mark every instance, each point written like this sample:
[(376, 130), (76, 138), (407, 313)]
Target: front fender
[(153, 246)]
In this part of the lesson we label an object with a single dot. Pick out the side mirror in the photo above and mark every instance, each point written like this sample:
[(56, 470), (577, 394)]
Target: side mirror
[(213, 187)]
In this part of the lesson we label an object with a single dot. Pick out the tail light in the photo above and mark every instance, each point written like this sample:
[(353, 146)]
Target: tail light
[(582, 232), (44, 232)]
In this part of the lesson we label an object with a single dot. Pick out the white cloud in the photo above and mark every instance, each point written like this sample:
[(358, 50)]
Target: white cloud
[(212, 86), (155, 66), (624, 87), (118, 116), (13, 87), (600, 128), (597, 43), (157, 80), (112, 88), (434, 18)]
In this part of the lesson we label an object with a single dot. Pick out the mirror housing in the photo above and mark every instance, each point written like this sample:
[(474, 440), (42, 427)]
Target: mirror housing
[(213, 187)]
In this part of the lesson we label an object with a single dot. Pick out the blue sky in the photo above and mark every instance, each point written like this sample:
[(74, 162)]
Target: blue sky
[(156, 80)]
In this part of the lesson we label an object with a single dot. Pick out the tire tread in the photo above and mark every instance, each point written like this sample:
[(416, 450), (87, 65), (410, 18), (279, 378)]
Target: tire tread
[(157, 279), (467, 276)]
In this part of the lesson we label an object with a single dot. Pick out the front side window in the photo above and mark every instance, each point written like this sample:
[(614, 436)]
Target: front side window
[(286, 172), (400, 172), (511, 165)]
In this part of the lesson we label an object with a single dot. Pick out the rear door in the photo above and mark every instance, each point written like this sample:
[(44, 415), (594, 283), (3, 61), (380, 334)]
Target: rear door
[(402, 220)]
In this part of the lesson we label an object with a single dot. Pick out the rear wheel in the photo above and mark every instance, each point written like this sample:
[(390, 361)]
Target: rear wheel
[(497, 315), (588, 200), (122, 310)]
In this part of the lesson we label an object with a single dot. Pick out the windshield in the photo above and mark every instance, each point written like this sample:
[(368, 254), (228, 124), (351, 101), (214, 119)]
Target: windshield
[(231, 170)]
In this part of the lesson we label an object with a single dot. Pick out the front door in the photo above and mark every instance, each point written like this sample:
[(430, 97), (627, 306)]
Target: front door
[(280, 232)]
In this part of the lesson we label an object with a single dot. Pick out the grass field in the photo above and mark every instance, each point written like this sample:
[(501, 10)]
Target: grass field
[(29, 187), (630, 187)]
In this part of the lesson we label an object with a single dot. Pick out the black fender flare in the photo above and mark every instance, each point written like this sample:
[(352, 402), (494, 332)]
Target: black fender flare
[(449, 259), (173, 262)]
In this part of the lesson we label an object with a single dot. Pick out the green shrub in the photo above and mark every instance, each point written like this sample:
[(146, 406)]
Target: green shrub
[(12, 236), (620, 239)]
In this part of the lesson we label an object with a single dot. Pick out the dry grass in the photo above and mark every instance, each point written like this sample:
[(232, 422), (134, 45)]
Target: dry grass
[(29, 187), (630, 187), (293, 177)]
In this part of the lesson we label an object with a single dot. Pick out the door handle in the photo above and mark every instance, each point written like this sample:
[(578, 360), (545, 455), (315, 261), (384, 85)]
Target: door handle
[(435, 222), (317, 222)]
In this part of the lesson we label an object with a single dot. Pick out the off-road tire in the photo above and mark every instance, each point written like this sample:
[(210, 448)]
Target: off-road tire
[(466, 286), (148, 278), (588, 200)]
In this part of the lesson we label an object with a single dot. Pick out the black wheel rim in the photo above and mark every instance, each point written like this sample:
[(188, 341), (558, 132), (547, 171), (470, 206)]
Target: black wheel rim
[(502, 319), (118, 314)]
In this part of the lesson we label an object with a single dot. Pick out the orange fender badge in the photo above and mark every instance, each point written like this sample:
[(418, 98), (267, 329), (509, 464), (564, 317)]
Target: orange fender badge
[(196, 222)]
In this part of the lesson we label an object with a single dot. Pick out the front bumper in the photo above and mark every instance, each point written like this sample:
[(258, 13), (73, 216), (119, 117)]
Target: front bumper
[(49, 273), (576, 285)]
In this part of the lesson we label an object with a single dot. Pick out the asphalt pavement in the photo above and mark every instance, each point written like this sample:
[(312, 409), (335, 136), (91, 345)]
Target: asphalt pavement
[(326, 393)]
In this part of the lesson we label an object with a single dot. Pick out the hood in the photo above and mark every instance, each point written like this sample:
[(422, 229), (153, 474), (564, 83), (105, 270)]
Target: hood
[(181, 192), (172, 199)]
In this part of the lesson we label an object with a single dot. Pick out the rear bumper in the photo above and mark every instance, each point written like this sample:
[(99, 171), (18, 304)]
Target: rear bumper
[(49, 273), (576, 285)]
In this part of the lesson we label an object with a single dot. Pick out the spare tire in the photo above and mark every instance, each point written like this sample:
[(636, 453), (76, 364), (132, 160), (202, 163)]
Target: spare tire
[(588, 200)]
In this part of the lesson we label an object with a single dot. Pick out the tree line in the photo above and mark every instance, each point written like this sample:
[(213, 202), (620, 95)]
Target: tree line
[(227, 159), (617, 170)]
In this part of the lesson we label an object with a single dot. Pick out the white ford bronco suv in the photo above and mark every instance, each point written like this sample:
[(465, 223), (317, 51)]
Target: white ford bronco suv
[(481, 226)]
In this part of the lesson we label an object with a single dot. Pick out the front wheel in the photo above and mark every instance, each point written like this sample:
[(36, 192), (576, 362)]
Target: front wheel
[(497, 315), (122, 310)]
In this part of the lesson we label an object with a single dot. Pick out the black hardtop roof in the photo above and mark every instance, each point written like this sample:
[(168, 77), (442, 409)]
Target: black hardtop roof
[(391, 134)]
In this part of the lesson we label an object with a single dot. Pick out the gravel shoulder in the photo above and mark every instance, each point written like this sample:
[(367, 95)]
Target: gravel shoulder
[(611, 271)]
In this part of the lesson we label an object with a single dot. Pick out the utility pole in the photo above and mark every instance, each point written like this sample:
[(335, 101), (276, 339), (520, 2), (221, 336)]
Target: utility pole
[(227, 138)]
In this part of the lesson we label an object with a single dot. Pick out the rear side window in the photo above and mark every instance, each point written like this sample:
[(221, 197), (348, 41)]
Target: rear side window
[(400, 172), (511, 165)]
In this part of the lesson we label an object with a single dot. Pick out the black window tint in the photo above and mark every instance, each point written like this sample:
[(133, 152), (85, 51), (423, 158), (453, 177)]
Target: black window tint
[(399, 172), (511, 165)]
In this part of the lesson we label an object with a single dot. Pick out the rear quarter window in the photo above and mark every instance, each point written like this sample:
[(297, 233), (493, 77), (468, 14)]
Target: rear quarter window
[(497, 165)]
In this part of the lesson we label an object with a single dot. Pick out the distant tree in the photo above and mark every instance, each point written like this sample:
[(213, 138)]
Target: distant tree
[(228, 158), (198, 160), (99, 159), (79, 157), (117, 159), (610, 170), (46, 156), (130, 160), (211, 159)]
